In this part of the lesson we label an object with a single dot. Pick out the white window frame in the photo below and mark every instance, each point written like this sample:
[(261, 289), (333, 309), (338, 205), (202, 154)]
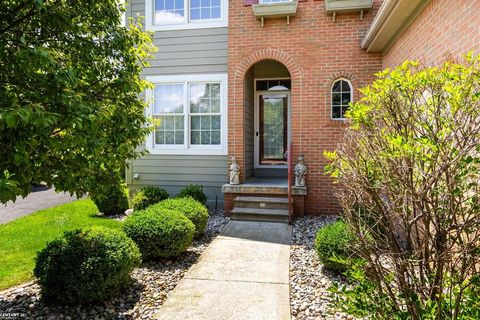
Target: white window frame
[(187, 148), (187, 23), (331, 97)]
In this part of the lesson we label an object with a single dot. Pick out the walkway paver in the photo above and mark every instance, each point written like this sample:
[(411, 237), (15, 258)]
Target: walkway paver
[(243, 275), (34, 201)]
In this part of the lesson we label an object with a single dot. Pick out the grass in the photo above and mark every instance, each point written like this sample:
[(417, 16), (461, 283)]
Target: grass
[(21, 239)]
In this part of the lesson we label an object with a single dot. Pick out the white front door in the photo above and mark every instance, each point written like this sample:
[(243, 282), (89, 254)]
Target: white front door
[(271, 129)]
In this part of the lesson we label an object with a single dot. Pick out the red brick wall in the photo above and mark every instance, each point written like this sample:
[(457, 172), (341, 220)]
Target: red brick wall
[(444, 29), (316, 51)]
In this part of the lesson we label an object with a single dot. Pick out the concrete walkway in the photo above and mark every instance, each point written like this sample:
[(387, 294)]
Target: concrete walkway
[(242, 275), (37, 200)]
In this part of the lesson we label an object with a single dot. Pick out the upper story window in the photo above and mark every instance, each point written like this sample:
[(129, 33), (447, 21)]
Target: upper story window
[(185, 14), (342, 95), (169, 11), (192, 114)]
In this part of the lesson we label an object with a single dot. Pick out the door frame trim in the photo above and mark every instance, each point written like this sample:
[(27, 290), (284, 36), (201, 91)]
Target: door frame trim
[(256, 119)]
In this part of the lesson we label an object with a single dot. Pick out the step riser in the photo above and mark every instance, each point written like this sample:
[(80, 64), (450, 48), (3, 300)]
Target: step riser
[(260, 205), (255, 217), (260, 208)]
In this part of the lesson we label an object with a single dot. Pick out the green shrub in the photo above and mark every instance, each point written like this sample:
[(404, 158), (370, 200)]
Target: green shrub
[(111, 201), (195, 191), (147, 196), (86, 265), (410, 160), (191, 208), (159, 233), (334, 246)]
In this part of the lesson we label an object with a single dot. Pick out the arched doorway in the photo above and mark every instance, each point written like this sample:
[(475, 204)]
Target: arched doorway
[(267, 117)]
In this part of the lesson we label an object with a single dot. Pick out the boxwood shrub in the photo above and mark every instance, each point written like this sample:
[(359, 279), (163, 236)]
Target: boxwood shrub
[(159, 233), (195, 191), (148, 196), (85, 266), (334, 244), (112, 200), (189, 207)]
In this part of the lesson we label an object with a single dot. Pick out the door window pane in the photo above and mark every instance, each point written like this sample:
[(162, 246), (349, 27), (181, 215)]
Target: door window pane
[(273, 128), (169, 11)]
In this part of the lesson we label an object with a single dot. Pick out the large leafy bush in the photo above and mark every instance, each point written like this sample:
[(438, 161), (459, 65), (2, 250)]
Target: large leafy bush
[(195, 191), (86, 266), (159, 233), (147, 196), (191, 208), (411, 162), (69, 93)]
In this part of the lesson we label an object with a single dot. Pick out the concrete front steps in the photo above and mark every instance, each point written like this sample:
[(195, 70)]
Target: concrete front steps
[(260, 208)]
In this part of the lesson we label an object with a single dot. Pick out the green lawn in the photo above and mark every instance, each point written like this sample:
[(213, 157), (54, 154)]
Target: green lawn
[(22, 238)]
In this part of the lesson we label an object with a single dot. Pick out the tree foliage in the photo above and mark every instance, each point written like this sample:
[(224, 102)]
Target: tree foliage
[(69, 85), (409, 171)]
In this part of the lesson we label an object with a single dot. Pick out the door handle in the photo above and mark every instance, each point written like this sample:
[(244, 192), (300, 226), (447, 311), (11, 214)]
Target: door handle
[(256, 133)]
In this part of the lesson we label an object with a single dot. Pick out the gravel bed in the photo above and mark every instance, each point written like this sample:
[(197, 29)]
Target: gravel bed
[(150, 286), (309, 281)]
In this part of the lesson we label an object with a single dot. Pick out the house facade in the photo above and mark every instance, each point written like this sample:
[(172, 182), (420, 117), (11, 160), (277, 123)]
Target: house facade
[(268, 82)]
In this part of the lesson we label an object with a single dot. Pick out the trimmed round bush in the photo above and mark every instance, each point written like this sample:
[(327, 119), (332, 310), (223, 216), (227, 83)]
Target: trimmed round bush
[(190, 208), (111, 201), (159, 233), (86, 266), (148, 196), (334, 244), (195, 191)]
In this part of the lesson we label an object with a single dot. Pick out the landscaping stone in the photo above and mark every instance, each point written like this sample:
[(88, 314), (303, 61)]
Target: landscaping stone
[(309, 281), (150, 286)]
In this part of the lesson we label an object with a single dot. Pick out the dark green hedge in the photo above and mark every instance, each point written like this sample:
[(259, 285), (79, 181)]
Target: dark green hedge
[(159, 233), (86, 265)]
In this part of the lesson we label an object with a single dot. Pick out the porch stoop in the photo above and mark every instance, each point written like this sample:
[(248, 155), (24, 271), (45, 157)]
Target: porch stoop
[(262, 199)]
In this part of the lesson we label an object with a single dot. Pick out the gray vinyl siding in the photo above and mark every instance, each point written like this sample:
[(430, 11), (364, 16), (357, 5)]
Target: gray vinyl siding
[(186, 51), (173, 172), (194, 51)]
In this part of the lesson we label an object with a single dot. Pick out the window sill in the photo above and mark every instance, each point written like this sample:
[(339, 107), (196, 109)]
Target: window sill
[(192, 151), (186, 26), (275, 10)]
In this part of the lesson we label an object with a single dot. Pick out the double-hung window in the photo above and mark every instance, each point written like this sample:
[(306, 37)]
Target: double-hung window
[(185, 14), (191, 114)]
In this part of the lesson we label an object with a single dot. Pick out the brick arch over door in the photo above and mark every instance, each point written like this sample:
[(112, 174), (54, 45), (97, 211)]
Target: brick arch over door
[(236, 101)]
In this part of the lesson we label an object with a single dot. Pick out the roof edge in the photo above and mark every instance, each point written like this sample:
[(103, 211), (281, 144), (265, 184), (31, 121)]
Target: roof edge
[(393, 17)]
